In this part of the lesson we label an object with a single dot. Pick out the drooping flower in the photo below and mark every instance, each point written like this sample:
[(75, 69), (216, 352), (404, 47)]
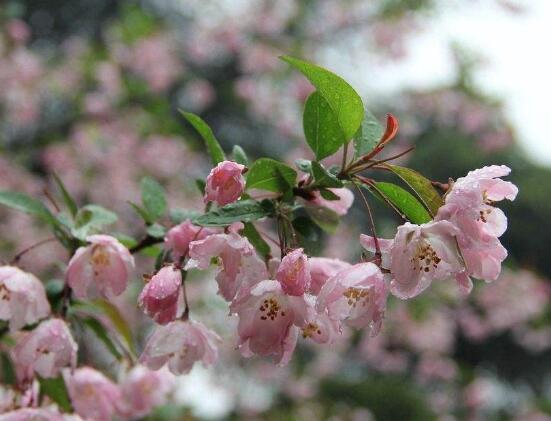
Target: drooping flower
[(45, 350), (339, 206), (103, 267), (356, 296), (180, 344), (94, 396), (22, 298), (32, 414), (242, 268), (321, 269), (225, 183), (162, 296), (178, 238), (268, 320), (294, 273), (143, 389), (318, 326)]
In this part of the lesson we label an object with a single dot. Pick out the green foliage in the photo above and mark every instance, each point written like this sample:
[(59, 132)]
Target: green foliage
[(153, 198), (323, 178), (368, 135), (95, 326), (244, 211), (240, 156), (67, 198), (29, 205), (261, 246), (269, 174), (414, 211), (325, 218), (55, 389), (213, 146), (90, 219)]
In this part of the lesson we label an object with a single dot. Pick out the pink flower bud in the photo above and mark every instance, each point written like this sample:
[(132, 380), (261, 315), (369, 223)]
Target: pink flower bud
[(356, 295), (180, 344), (225, 183), (178, 238), (22, 298), (162, 295), (94, 396), (103, 268), (321, 269), (45, 350), (294, 273)]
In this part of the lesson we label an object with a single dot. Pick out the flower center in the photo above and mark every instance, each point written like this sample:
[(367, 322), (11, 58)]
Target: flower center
[(310, 330), (356, 296), (425, 258), (270, 309), (484, 214), (100, 256)]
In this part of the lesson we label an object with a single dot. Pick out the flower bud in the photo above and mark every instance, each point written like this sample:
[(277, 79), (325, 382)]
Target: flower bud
[(160, 297), (178, 238), (225, 183), (294, 273)]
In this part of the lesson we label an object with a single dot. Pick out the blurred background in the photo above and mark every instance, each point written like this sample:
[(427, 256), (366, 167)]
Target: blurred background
[(90, 90)]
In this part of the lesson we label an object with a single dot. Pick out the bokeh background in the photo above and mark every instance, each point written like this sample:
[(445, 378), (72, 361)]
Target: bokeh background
[(90, 90)]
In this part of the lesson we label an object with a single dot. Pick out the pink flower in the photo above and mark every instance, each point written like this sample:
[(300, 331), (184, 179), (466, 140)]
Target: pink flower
[(93, 395), (22, 298), (294, 273), (178, 238), (45, 350), (356, 295), (418, 255), (225, 183), (318, 326), (32, 414), (340, 206), (266, 321), (162, 295), (143, 389), (103, 267), (180, 344), (242, 268), (321, 269)]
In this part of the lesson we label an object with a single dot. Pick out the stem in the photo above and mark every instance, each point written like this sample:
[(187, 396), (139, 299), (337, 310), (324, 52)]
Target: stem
[(371, 184), (358, 168), (51, 199), (145, 243), (344, 156), (373, 230), (19, 255), (185, 314)]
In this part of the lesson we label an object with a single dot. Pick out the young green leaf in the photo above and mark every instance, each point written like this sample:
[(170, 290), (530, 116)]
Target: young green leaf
[(368, 135), (244, 211), (325, 218), (261, 246), (55, 389), (414, 210), (304, 165), (24, 203), (269, 174), (156, 231), (322, 130), (422, 187), (323, 178), (90, 219), (341, 97), (213, 146), (240, 156), (153, 197), (100, 331), (142, 212), (67, 198)]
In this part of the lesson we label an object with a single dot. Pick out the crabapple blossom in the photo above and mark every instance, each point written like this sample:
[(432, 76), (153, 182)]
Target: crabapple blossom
[(92, 394), (32, 414), (356, 295), (22, 298), (321, 269), (267, 319), (241, 265), (318, 326), (178, 238), (143, 389), (45, 350), (162, 295), (294, 273), (103, 267), (339, 206), (225, 183), (180, 344)]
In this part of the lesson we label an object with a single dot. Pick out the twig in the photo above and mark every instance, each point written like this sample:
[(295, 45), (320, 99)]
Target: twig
[(51, 199), (373, 230), (19, 255), (145, 243)]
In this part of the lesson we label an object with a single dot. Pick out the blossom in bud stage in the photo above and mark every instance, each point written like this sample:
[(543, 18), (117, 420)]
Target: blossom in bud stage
[(22, 298), (241, 265), (225, 183), (32, 414), (45, 350), (162, 295), (321, 269), (180, 344), (356, 295), (418, 255), (294, 273), (339, 206), (267, 319), (94, 396), (143, 389), (103, 267), (178, 238)]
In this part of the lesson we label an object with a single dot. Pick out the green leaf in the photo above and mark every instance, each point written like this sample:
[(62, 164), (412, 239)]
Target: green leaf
[(142, 212), (341, 97), (422, 187), (153, 197), (156, 231), (213, 146), (261, 246), (240, 156), (55, 389), (272, 175), (201, 185), (100, 331), (7, 368), (24, 203), (368, 135), (304, 165), (180, 215), (328, 195), (321, 127), (323, 178), (414, 210), (244, 211), (90, 219), (67, 198), (324, 217)]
